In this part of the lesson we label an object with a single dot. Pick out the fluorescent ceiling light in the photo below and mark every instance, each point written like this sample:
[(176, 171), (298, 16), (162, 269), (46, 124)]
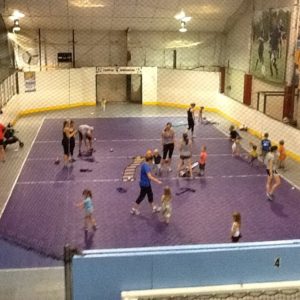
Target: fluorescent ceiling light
[(87, 3), (183, 29)]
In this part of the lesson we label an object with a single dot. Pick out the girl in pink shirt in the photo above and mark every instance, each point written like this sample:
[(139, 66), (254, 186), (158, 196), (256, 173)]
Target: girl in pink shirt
[(202, 160)]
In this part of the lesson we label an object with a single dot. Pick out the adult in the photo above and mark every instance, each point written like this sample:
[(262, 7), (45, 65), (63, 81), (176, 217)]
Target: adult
[(185, 150), (273, 180), (73, 132), (145, 186), (2, 133), (191, 118), (68, 133), (86, 135), (168, 143)]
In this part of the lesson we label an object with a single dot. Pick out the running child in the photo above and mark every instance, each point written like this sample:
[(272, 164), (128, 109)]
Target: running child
[(236, 227), (166, 206), (202, 160), (282, 155), (145, 186), (87, 205), (156, 162)]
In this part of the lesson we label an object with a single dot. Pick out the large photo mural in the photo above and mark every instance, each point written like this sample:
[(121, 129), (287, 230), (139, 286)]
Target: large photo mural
[(269, 44)]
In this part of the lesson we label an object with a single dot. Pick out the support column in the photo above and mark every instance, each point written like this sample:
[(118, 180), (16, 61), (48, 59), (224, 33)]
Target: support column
[(288, 102), (222, 80), (247, 89)]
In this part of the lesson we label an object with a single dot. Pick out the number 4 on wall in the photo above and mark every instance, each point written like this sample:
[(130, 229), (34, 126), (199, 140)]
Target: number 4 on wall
[(277, 262)]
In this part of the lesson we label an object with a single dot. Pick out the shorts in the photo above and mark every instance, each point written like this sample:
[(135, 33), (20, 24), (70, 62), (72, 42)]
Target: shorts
[(202, 166), (168, 149), (235, 239), (274, 172), (183, 157), (66, 146)]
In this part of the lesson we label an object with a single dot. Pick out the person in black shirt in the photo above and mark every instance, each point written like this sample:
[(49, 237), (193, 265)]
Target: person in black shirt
[(191, 118), (233, 134)]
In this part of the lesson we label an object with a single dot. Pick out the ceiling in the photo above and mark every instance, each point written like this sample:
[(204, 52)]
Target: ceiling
[(142, 15)]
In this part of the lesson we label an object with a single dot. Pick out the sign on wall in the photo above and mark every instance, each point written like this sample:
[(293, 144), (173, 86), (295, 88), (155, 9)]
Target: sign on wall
[(269, 44), (118, 70), (29, 81)]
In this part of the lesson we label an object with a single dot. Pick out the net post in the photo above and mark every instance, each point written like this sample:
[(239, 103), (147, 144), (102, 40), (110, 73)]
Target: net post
[(69, 252)]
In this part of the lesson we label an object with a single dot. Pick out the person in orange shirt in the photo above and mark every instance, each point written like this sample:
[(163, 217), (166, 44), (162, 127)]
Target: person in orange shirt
[(2, 133), (202, 160), (282, 155)]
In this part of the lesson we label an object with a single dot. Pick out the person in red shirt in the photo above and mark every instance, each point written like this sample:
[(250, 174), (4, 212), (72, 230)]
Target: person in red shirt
[(202, 160), (2, 152)]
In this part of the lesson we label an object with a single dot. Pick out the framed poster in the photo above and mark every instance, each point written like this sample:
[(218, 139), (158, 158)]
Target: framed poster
[(270, 32)]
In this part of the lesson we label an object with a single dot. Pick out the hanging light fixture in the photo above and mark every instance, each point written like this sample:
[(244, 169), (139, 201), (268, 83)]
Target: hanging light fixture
[(181, 16), (16, 27), (182, 28)]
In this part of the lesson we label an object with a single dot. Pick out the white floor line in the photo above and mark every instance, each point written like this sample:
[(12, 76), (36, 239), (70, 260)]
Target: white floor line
[(129, 140), (104, 158), (15, 182), (119, 179)]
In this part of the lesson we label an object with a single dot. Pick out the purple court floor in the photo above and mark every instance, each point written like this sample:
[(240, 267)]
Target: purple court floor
[(41, 214)]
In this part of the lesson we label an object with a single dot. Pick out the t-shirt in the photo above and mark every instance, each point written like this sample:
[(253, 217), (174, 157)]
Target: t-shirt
[(203, 156), (253, 154), (83, 129), (88, 205), (157, 159), (282, 154), (266, 145), (145, 181), (2, 127), (167, 136), (234, 134), (270, 157)]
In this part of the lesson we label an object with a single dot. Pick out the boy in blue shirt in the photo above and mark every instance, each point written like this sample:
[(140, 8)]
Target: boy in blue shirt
[(145, 184), (265, 145)]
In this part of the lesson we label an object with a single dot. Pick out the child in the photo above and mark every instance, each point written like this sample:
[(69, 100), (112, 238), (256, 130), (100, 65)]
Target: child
[(236, 227), (202, 160), (253, 155), (282, 155), (166, 206), (156, 162), (103, 104), (265, 145), (87, 204), (235, 147), (200, 116)]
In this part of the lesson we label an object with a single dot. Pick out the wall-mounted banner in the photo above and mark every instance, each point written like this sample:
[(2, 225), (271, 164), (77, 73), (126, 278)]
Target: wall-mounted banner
[(118, 70), (270, 43), (29, 81)]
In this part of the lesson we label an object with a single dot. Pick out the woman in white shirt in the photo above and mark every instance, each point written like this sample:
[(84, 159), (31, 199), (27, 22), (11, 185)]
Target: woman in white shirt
[(273, 180)]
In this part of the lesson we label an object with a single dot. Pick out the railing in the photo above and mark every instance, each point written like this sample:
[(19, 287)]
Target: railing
[(8, 88)]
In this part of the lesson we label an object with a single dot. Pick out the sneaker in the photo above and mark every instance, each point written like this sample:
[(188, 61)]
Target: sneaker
[(156, 209), (170, 170), (270, 196), (134, 211)]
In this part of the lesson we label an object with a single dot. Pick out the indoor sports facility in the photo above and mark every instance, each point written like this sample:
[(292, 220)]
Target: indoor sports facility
[(149, 149)]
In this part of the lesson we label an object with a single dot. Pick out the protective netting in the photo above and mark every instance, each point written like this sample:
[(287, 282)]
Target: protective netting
[(287, 294)]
